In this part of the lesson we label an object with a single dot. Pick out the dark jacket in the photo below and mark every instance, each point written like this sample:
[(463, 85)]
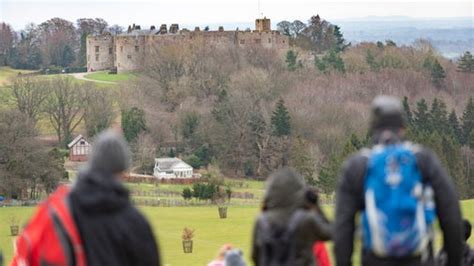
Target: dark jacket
[(467, 257), (112, 230), (350, 201), (284, 197)]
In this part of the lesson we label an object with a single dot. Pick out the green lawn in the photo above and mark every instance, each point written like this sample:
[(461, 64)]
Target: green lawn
[(105, 76), (168, 223), (7, 72)]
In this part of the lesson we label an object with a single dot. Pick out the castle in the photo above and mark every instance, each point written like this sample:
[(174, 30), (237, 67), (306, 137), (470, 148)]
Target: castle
[(128, 51)]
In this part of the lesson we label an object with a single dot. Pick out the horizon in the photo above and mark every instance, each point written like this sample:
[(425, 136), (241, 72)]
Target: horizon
[(23, 12)]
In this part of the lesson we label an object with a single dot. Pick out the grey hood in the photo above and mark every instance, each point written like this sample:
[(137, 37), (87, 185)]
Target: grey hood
[(284, 193), (110, 154)]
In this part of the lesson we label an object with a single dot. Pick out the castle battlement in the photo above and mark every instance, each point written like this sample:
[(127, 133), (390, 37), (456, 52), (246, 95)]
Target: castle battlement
[(128, 51)]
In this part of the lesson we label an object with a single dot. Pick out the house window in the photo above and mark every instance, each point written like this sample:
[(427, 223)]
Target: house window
[(82, 142), (129, 56), (137, 48), (96, 57), (258, 41), (97, 49), (242, 41), (110, 50)]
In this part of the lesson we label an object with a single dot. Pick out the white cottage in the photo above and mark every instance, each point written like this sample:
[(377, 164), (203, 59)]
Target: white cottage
[(172, 168), (79, 148)]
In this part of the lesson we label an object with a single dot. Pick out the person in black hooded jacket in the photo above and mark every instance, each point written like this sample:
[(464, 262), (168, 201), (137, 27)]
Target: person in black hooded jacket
[(113, 231), (387, 127)]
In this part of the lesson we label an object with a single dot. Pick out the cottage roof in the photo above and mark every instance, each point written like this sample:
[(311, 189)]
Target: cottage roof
[(75, 141), (166, 164)]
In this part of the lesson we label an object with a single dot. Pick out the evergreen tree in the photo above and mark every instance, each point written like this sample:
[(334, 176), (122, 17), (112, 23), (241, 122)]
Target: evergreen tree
[(439, 117), (291, 60), (328, 174), (466, 63), (334, 60), (455, 128), (340, 41), (421, 117), (468, 119), (407, 111), (437, 74), (133, 123), (320, 64), (281, 120), (370, 59)]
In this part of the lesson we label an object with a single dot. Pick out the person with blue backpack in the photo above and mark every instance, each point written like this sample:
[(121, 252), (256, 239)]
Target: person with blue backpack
[(394, 192)]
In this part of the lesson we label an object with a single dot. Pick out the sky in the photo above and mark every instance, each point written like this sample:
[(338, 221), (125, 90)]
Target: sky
[(18, 13)]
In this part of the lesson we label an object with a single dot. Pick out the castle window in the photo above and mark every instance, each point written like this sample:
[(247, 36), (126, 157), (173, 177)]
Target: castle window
[(258, 41), (121, 48), (110, 50), (242, 41), (96, 57), (129, 56), (137, 48), (269, 40), (97, 49)]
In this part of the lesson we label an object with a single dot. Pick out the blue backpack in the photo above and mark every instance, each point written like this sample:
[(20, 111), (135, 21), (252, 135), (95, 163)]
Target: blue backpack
[(399, 207)]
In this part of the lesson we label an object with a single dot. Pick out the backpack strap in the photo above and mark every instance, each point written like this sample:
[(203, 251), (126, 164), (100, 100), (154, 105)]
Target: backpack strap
[(59, 207)]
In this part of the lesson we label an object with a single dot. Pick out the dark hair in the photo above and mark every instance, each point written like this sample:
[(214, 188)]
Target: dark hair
[(311, 196), (467, 229)]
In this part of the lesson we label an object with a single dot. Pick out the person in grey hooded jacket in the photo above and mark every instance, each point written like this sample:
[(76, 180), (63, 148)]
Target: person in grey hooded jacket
[(284, 210), (113, 231)]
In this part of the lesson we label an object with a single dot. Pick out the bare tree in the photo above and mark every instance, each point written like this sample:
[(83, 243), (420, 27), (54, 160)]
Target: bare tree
[(29, 96), (144, 154), (65, 106), (99, 113)]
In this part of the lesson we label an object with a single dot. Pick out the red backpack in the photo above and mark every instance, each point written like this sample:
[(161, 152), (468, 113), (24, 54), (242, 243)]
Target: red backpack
[(51, 237)]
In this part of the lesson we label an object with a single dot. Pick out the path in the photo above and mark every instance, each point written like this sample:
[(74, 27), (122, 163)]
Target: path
[(81, 76)]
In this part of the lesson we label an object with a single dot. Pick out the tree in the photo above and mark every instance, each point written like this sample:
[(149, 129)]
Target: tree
[(189, 128), (302, 161), (281, 120), (26, 167), (439, 117), (468, 119), (6, 42), (466, 63), (133, 123), (194, 161), (187, 194), (437, 74), (99, 113), (55, 35), (26, 54), (407, 111), (291, 60), (320, 35), (370, 59), (65, 106), (421, 116), (327, 179), (341, 44), (144, 152), (455, 128), (29, 96)]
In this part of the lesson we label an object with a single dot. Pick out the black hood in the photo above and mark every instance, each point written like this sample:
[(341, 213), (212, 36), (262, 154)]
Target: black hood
[(95, 193)]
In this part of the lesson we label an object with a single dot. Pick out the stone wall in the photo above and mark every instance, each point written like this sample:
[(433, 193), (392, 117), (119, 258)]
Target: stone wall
[(130, 52), (100, 52)]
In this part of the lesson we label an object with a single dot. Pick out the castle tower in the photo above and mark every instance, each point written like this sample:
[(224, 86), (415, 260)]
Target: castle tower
[(263, 24)]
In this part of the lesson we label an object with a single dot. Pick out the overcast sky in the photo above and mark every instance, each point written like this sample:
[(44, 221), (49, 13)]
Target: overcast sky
[(194, 12)]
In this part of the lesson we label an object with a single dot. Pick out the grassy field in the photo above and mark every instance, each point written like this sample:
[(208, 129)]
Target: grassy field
[(7, 72), (105, 76), (168, 223)]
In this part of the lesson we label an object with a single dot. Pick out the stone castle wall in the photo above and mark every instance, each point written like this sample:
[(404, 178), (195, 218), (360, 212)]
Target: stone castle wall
[(131, 50), (100, 52)]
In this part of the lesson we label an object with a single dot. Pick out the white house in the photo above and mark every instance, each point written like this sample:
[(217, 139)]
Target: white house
[(172, 168), (79, 148)]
